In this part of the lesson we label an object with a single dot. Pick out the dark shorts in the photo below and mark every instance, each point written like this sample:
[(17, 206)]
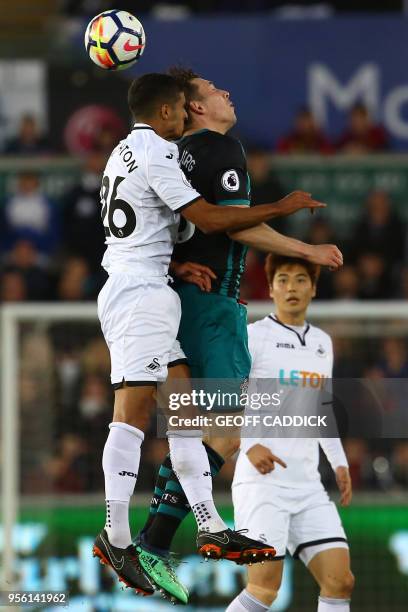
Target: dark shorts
[(213, 334)]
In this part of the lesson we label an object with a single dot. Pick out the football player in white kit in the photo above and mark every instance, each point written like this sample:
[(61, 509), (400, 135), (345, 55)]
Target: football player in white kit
[(143, 193), (277, 491)]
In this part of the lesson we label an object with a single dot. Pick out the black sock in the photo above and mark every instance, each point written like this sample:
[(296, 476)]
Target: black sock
[(174, 507)]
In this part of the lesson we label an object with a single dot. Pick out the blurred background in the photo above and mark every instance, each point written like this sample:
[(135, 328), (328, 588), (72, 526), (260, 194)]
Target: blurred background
[(321, 93)]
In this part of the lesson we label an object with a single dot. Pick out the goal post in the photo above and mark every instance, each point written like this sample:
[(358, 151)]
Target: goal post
[(354, 319)]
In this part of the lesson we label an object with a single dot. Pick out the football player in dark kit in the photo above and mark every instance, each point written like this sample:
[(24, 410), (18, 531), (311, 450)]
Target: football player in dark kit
[(213, 328)]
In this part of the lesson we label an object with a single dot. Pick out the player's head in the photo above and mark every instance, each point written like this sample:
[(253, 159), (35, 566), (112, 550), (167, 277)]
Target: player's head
[(206, 104), (292, 283), (159, 100)]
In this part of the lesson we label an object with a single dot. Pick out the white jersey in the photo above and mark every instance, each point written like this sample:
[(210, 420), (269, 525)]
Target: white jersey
[(143, 190), (296, 357)]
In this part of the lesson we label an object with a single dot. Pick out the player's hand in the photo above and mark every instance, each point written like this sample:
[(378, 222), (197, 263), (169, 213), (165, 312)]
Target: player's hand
[(326, 255), (343, 480), (263, 459), (297, 200), (194, 273)]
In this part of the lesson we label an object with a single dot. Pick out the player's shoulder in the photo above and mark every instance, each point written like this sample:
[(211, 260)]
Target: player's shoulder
[(221, 143), (228, 143), (146, 136), (319, 334), (260, 327)]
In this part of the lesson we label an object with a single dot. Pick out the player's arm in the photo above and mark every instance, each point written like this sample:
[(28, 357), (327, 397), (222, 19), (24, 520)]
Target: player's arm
[(211, 218), (192, 272), (258, 454), (230, 186), (264, 238), (263, 459), (333, 447), (167, 179)]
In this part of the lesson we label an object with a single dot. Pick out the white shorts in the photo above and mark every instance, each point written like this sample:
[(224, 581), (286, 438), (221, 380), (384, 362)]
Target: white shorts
[(301, 521), (140, 321)]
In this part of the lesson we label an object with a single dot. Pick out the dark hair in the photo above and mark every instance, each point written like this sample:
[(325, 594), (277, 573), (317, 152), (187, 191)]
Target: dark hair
[(274, 262), (150, 91), (184, 77)]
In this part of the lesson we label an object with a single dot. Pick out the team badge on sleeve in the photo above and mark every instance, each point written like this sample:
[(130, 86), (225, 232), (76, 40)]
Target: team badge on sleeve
[(230, 180)]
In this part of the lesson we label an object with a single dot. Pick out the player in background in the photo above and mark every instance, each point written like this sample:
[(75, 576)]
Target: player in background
[(213, 328), (143, 194), (286, 503)]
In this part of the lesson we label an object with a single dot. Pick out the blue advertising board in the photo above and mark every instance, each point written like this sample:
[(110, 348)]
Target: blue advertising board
[(273, 66)]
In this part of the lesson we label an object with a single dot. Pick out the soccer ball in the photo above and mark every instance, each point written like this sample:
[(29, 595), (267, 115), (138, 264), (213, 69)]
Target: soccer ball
[(114, 40)]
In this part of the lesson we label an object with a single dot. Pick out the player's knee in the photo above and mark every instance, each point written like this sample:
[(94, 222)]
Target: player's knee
[(263, 591), (340, 585), (226, 447), (231, 447), (133, 408), (348, 582), (140, 421)]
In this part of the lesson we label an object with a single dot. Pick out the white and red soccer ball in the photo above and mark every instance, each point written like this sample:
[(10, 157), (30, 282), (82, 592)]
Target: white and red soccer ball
[(115, 40)]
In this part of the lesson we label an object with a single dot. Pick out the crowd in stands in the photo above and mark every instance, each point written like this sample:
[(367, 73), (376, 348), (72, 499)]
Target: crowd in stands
[(65, 384), (361, 135), (51, 250)]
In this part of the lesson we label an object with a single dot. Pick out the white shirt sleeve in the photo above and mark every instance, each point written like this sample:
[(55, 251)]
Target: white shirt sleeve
[(332, 447), (166, 178)]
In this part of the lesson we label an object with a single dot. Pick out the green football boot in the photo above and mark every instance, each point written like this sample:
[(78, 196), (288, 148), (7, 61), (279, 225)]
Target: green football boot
[(160, 572)]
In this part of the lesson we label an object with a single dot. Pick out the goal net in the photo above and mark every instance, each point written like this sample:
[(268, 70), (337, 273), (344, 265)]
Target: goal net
[(56, 402)]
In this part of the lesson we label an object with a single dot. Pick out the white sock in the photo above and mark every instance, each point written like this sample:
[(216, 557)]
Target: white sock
[(191, 466), (245, 602), (120, 462), (330, 604), (207, 517)]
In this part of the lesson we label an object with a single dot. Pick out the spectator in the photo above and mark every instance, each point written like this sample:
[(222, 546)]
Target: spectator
[(403, 284), (399, 463), (265, 186), (348, 357), (95, 400), (380, 231), (345, 284), (358, 457), (95, 412), (306, 136), (68, 469), (30, 215), (362, 135), (83, 234), (394, 359), (321, 232), (253, 284), (27, 261), (12, 287), (95, 358), (74, 282), (373, 281), (29, 140)]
